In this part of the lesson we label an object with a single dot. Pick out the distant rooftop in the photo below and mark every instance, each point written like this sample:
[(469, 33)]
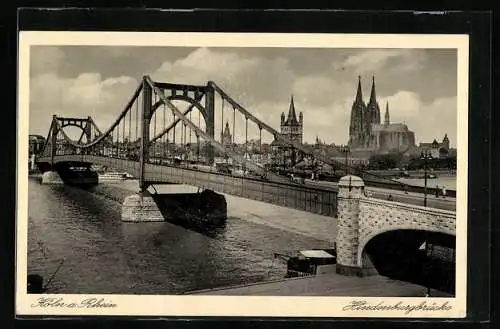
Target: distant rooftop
[(33, 137)]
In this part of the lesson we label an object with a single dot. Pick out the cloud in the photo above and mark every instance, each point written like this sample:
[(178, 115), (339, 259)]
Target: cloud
[(267, 79), (87, 94), (429, 120), (314, 91), (373, 60), (403, 105), (261, 84)]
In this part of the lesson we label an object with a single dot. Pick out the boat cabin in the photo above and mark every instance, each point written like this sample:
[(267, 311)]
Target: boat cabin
[(309, 262)]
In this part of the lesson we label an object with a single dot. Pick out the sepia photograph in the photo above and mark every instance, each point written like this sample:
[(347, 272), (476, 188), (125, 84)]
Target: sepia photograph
[(208, 172)]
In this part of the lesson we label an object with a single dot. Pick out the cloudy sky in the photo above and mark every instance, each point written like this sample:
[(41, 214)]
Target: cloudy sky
[(420, 85)]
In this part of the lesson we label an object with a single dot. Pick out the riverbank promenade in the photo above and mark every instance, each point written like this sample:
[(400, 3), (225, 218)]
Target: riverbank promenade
[(328, 284)]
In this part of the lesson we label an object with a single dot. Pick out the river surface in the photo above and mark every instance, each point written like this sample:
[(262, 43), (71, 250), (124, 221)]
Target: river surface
[(101, 254), (449, 183)]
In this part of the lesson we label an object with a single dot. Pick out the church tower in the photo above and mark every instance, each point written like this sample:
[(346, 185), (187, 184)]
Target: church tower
[(357, 124), (446, 142), (372, 107), (387, 121), (291, 127), (226, 136)]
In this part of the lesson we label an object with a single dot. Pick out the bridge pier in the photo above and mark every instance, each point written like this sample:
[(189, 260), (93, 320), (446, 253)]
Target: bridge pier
[(351, 190), (141, 207), (51, 177)]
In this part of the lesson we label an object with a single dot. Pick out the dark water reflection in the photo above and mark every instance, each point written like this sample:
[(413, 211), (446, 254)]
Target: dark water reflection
[(102, 254)]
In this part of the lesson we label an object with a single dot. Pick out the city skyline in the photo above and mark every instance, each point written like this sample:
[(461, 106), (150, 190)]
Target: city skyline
[(419, 84)]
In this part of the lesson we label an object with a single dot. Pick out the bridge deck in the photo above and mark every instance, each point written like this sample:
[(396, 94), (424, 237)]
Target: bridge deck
[(315, 199)]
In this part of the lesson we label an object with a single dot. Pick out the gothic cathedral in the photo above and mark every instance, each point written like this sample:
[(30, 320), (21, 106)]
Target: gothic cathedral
[(366, 131)]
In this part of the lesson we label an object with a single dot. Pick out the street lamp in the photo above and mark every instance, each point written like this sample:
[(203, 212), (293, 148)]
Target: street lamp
[(425, 155), (346, 150)]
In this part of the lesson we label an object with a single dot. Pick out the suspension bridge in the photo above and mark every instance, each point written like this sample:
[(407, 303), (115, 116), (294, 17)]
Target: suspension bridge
[(157, 142), (144, 141)]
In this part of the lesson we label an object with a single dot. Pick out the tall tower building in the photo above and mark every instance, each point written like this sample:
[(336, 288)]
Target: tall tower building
[(372, 107), (446, 142), (291, 127), (357, 125), (366, 131), (226, 136), (387, 120)]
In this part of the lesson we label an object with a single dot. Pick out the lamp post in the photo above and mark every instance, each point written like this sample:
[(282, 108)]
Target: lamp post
[(346, 150), (425, 155)]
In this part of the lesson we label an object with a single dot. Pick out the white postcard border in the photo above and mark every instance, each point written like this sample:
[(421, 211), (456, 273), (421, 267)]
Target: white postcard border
[(275, 306)]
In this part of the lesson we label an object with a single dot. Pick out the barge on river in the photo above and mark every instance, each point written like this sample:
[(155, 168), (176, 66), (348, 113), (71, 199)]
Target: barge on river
[(309, 262)]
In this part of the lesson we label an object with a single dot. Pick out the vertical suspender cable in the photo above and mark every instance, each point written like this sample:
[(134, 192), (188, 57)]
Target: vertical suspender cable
[(222, 120), (136, 118), (246, 145), (164, 135), (190, 130), (129, 128), (154, 128), (234, 122), (198, 138), (260, 140)]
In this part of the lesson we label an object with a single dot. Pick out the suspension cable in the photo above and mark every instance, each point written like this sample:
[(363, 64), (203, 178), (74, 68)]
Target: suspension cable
[(246, 135), (260, 140), (198, 138), (234, 122), (197, 147), (175, 145), (246, 146), (136, 119), (190, 130), (129, 129), (124, 120), (222, 121), (163, 155)]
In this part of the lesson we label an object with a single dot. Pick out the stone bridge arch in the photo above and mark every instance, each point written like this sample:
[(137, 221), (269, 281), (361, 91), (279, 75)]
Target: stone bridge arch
[(364, 241), (381, 216), (361, 219)]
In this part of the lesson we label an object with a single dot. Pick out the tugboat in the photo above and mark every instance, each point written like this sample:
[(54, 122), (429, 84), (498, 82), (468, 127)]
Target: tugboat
[(308, 262)]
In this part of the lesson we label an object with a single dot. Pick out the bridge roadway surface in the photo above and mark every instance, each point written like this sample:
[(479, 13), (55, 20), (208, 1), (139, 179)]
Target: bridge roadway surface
[(328, 284), (378, 193), (400, 196)]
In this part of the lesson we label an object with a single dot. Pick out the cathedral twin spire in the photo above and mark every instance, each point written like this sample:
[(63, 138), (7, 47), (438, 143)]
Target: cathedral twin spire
[(372, 107), (363, 115)]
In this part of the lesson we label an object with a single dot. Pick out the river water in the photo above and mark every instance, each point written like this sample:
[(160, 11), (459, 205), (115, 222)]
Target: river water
[(449, 183), (101, 254)]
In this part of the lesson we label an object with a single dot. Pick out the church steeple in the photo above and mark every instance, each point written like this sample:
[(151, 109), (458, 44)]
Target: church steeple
[(292, 117), (373, 96), (387, 120), (226, 135), (359, 93), (357, 125), (373, 108)]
